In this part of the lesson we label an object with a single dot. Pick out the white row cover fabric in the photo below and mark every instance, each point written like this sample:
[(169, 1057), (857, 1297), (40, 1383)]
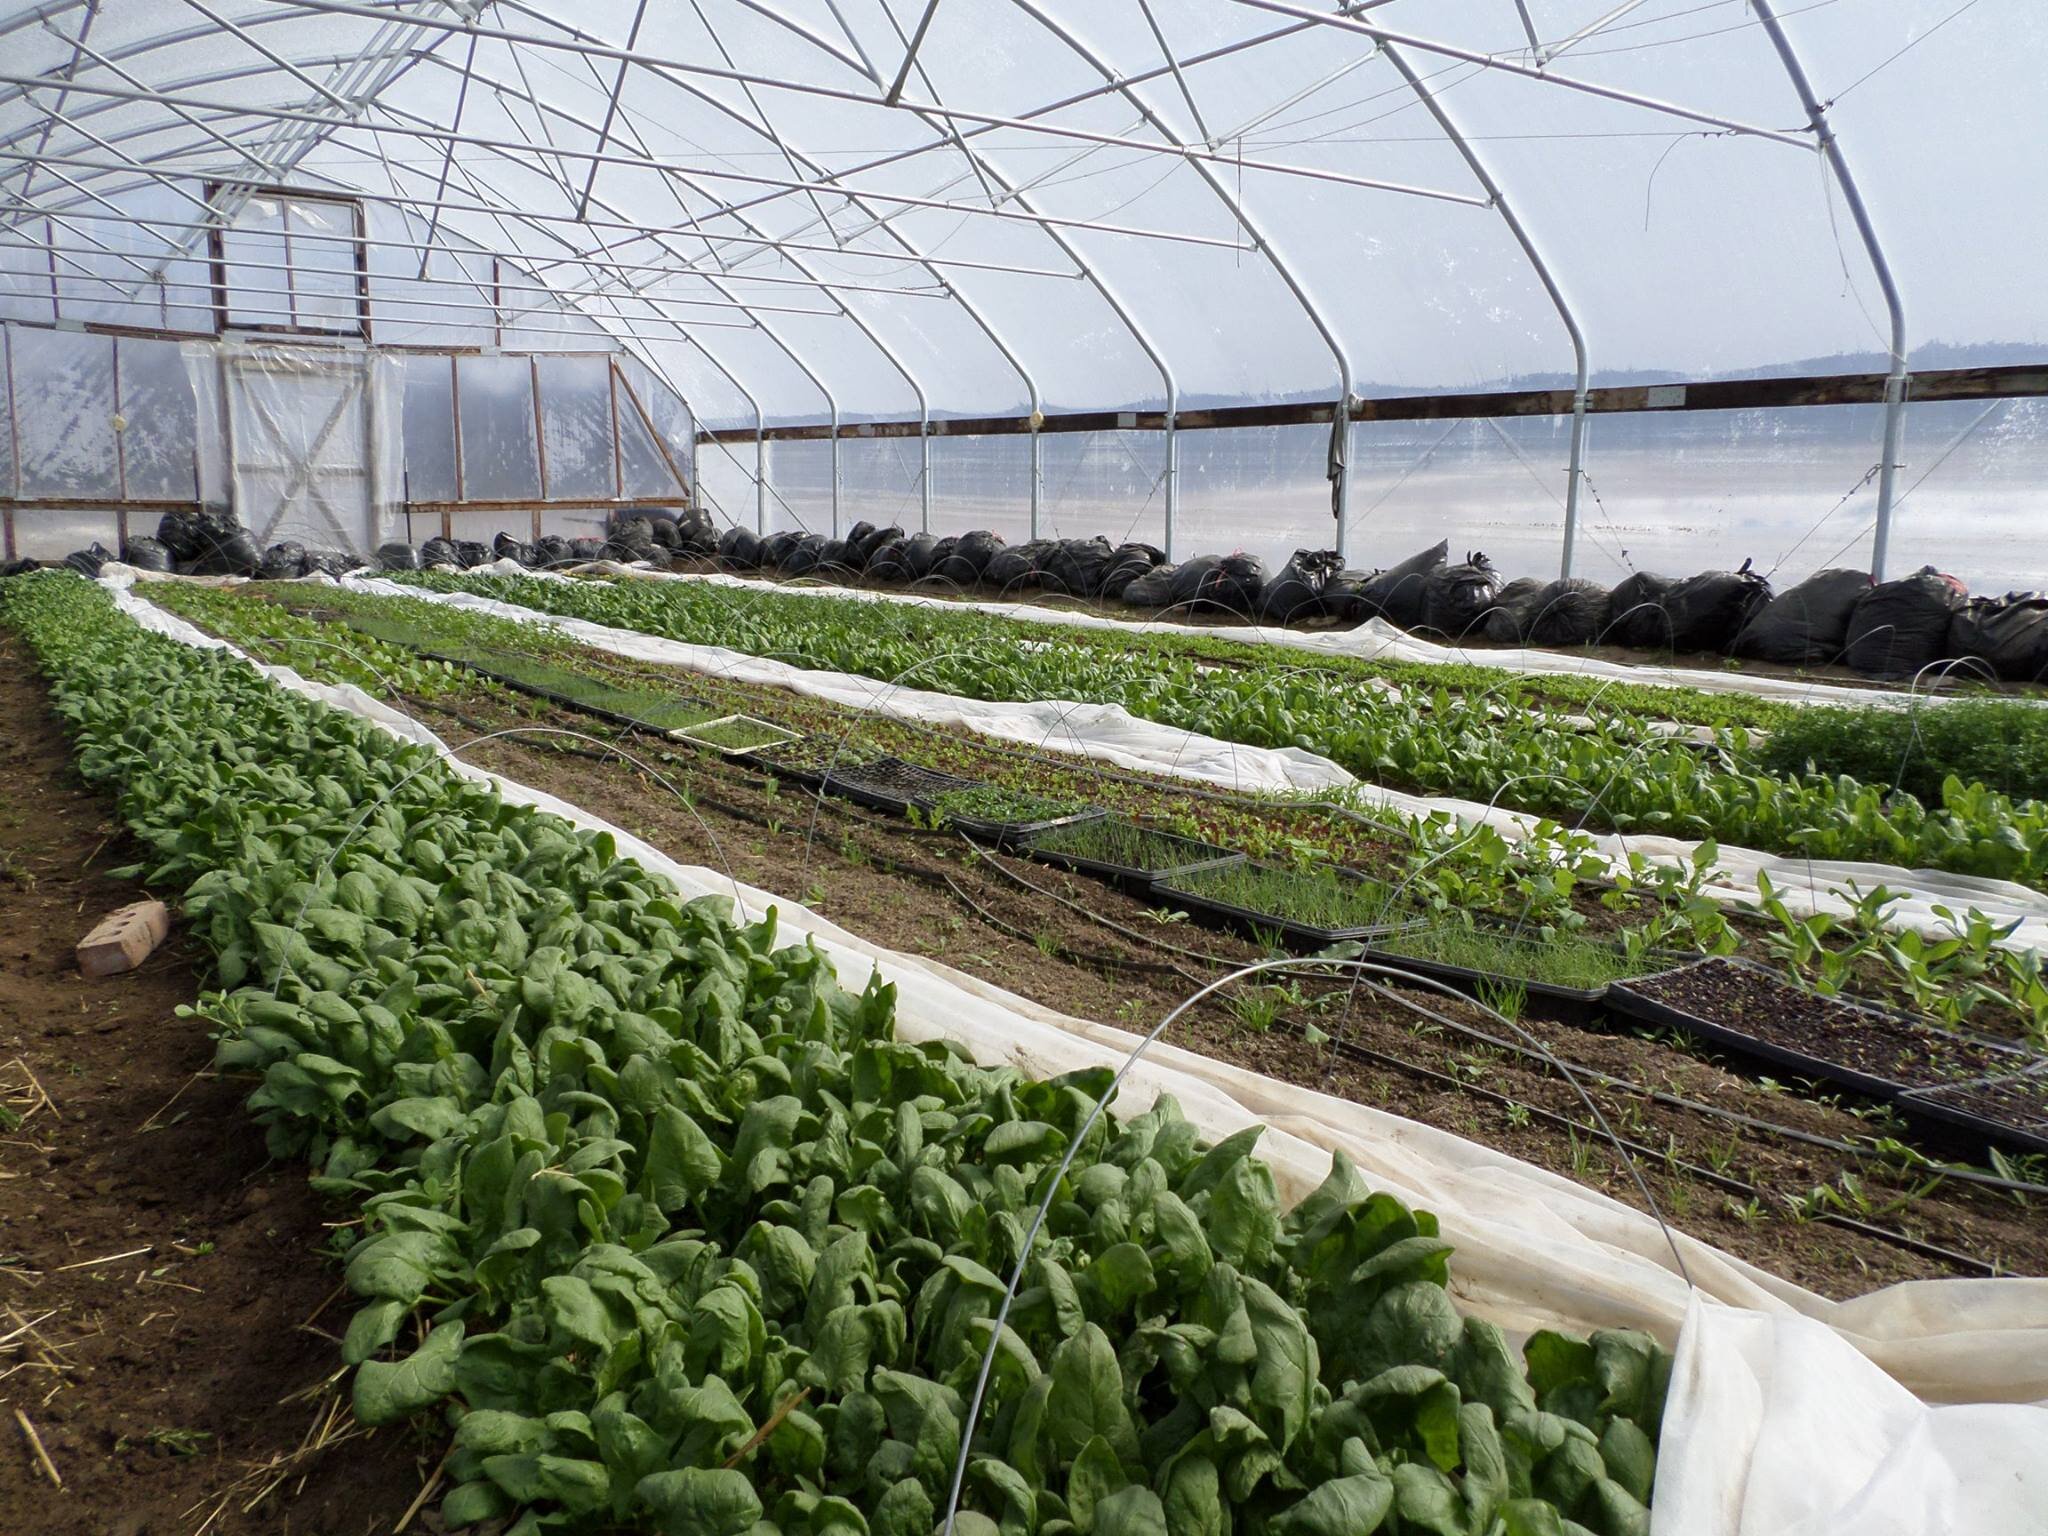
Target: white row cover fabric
[(1374, 640), (1533, 1249), (1105, 732), (1112, 735)]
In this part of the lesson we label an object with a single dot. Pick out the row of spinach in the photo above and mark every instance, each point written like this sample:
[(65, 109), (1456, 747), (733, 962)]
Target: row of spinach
[(1506, 745), (679, 1235)]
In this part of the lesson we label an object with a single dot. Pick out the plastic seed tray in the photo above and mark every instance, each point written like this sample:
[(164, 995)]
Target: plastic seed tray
[(1385, 950), (766, 734), (1626, 999), (1183, 888), (891, 784), (2010, 1109), (1182, 853), (1009, 834)]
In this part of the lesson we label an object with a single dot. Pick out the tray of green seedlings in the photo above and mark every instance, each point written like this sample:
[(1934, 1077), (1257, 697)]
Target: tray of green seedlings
[(1123, 852), (1492, 960), (637, 706), (990, 813), (1308, 907), (736, 735)]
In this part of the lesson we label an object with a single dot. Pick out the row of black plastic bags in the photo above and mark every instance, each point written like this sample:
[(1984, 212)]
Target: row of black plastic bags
[(1899, 628)]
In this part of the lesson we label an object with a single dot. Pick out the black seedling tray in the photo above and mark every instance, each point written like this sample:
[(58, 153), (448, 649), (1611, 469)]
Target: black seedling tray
[(1129, 876), (1576, 1001), (1622, 998), (893, 785), (1008, 834), (2026, 1127), (1244, 920), (535, 691)]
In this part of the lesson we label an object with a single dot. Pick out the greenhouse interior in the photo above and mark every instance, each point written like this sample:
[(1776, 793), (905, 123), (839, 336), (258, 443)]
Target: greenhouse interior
[(1014, 768)]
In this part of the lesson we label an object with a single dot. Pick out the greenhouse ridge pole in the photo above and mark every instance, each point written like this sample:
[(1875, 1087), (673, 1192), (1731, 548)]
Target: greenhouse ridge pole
[(1897, 379), (1437, 110)]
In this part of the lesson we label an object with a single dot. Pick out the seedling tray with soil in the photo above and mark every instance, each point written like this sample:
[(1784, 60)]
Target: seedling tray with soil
[(1310, 908), (1483, 958), (736, 735), (1871, 1050), (990, 814), (891, 784), (2012, 1110), (1126, 853)]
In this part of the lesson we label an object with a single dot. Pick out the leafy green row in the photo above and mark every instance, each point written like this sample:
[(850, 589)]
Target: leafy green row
[(1500, 746), (2002, 743), (686, 1240)]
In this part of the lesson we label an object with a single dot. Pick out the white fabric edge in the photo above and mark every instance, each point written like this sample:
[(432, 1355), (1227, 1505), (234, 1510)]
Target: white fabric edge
[(1109, 733)]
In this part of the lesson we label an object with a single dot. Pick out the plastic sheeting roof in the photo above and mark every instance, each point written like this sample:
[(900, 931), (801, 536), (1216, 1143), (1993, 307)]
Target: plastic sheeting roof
[(1090, 206)]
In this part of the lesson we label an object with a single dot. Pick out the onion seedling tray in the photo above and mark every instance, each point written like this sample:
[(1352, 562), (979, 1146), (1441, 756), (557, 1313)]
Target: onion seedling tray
[(504, 679), (1576, 1001), (2011, 1109), (1009, 834), (1848, 1019), (1182, 888), (1187, 852)]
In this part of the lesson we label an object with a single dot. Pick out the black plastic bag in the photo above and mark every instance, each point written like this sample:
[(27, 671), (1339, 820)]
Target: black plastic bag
[(1396, 593), (740, 548), (864, 548), (835, 557), (1296, 592), (1635, 613), (505, 547), (145, 553), (857, 540), (1514, 607), (800, 557), (696, 534), (963, 564), (1807, 623), (87, 562), (472, 553), (888, 561), (921, 552), (665, 533), (1455, 598), (19, 567), (1343, 594), (397, 557), (631, 538), (1220, 584), (209, 543), (2008, 634), (1015, 567), (1153, 590), (331, 562), (1902, 626), (1077, 567), (283, 561), (1568, 612), (581, 551), (1130, 562), (1707, 611), (439, 551), (549, 551)]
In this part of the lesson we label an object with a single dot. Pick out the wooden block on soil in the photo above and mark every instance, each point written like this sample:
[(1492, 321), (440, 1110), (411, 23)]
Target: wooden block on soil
[(124, 938)]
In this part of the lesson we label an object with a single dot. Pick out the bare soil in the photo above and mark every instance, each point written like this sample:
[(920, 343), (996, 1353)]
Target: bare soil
[(166, 1325)]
